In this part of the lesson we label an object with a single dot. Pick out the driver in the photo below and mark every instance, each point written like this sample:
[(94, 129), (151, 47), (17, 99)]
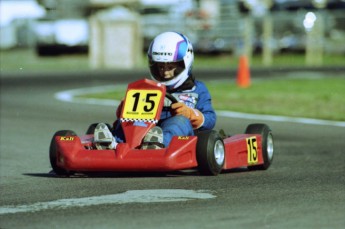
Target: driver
[(170, 58)]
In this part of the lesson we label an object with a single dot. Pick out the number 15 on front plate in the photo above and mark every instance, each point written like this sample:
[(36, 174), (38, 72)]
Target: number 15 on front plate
[(141, 104)]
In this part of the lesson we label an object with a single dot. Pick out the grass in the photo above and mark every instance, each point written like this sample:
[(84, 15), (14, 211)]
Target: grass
[(279, 60), (25, 60), (311, 98), (320, 98)]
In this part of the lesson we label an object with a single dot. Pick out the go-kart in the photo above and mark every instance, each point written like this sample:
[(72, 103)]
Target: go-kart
[(209, 151)]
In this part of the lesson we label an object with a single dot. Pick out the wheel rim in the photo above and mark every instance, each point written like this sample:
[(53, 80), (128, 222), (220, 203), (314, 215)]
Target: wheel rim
[(270, 146), (219, 152)]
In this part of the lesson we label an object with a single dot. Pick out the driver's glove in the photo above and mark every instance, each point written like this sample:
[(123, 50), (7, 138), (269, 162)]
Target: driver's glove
[(194, 115)]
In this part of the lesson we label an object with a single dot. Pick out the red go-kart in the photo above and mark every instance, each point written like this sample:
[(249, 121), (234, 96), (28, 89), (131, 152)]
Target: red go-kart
[(208, 151)]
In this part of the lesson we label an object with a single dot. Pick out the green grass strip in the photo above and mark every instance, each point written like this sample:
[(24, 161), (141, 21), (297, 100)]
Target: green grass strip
[(320, 98)]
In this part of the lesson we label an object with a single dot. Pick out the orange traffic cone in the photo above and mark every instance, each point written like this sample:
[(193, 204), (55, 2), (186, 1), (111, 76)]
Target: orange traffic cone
[(243, 73)]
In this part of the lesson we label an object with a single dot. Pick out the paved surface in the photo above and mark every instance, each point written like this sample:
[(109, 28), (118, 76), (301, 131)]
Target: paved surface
[(304, 188)]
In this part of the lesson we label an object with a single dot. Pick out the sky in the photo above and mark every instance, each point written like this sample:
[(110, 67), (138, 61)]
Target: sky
[(10, 10)]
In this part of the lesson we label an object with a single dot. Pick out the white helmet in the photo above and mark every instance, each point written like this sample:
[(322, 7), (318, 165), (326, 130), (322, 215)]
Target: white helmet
[(170, 59)]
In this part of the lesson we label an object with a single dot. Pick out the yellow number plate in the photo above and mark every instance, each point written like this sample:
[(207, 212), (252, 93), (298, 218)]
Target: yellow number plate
[(141, 104), (252, 149)]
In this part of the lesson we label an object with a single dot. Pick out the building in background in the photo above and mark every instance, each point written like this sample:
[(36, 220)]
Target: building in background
[(212, 25), (16, 22), (64, 27)]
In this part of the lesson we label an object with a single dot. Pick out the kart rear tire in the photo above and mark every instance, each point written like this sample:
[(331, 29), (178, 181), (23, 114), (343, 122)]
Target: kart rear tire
[(210, 153), (267, 144), (53, 153), (92, 127)]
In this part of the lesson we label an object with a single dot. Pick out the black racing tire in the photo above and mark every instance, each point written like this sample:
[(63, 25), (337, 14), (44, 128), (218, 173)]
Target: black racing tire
[(92, 127), (53, 153), (267, 144), (210, 153)]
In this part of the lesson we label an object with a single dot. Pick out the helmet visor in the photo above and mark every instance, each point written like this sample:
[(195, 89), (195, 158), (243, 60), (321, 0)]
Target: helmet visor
[(165, 71)]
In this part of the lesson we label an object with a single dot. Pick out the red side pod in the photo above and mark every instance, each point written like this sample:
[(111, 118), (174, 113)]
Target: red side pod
[(73, 156), (243, 150), (182, 152)]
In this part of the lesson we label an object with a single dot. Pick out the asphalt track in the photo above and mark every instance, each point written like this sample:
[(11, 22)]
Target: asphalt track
[(304, 187)]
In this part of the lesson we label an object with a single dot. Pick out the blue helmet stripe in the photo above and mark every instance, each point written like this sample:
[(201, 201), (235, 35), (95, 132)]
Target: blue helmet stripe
[(181, 49), (150, 49)]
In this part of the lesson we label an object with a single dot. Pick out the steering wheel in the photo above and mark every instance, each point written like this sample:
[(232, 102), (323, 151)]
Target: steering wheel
[(170, 97)]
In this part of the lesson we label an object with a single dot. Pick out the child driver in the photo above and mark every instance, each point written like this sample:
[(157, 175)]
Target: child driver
[(170, 58)]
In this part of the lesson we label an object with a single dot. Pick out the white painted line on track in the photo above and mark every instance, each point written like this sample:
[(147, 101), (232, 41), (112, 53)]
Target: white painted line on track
[(275, 118), (71, 96), (133, 196)]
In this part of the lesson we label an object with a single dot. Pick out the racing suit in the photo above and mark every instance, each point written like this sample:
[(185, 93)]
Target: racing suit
[(197, 98)]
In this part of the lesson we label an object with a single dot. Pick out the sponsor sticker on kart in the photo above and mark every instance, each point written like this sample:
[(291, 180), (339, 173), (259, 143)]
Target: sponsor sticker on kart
[(70, 138), (252, 150), (141, 104), (183, 137)]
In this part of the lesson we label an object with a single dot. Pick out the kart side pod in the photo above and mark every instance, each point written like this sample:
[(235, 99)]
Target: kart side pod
[(207, 151)]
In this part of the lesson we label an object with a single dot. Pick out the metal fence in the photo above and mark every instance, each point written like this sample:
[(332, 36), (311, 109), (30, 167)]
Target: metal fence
[(227, 30), (220, 26)]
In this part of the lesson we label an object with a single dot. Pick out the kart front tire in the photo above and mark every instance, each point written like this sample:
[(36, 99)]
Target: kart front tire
[(210, 153), (53, 153), (267, 144)]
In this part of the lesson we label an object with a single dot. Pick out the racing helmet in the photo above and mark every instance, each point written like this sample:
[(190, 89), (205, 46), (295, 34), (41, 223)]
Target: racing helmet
[(170, 57)]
